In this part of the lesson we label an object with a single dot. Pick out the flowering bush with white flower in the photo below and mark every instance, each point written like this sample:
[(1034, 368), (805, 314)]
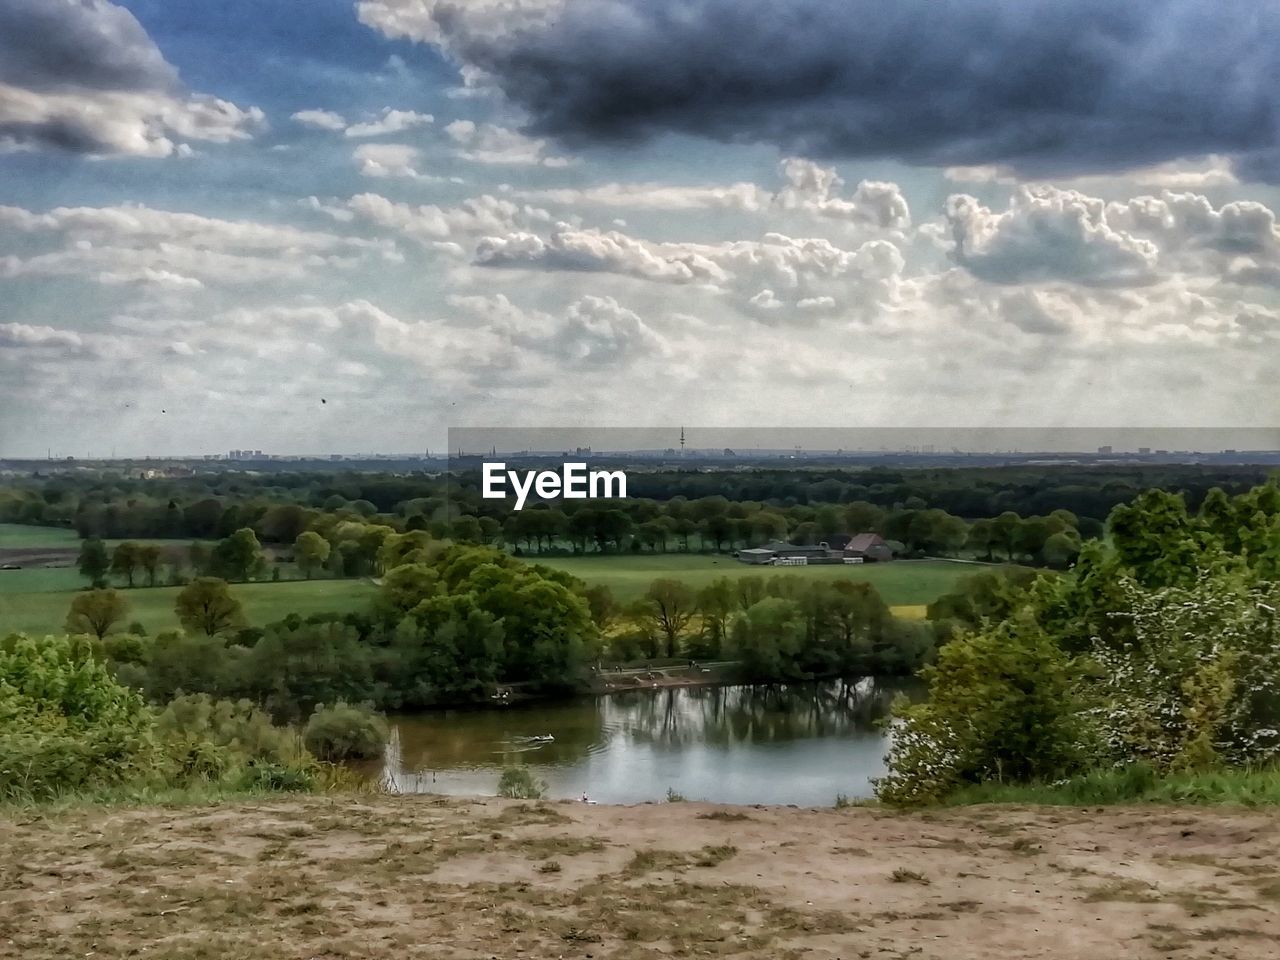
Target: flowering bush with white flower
[(1200, 681)]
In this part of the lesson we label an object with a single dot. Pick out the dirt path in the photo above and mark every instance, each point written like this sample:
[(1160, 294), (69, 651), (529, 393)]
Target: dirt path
[(425, 877)]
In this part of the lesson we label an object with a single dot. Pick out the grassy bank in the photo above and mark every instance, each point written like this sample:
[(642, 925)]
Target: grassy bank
[(1137, 784)]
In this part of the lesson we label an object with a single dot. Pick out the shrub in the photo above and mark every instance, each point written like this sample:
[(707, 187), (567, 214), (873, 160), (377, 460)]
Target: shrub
[(345, 732), (66, 724), (229, 741), (1002, 705), (517, 783), (1200, 680)]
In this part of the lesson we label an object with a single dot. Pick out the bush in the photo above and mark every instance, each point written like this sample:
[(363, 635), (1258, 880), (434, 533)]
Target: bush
[(1002, 706), (345, 732), (231, 742), (66, 724), (517, 783)]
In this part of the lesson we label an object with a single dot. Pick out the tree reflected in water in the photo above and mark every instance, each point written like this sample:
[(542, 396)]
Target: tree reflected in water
[(796, 742)]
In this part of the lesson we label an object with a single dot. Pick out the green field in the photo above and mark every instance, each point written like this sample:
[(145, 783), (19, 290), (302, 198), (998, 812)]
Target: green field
[(901, 583), (15, 535), (41, 613), (36, 600)]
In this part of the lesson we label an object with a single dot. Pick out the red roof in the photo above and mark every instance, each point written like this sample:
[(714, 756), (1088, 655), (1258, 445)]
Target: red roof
[(864, 542)]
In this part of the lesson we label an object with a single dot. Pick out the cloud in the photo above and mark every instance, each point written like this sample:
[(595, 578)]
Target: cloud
[(1052, 235), (83, 76), (21, 335), (815, 189), (427, 223), (321, 120), (1211, 171), (809, 189), (1047, 234), (389, 121), (487, 143), (172, 250), (1041, 86), (806, 276), (571, 249), (746, 197), (388, 160)]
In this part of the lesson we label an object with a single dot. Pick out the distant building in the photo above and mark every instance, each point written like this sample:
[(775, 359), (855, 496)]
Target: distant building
[(865, 547), (869, 547), (1105, 451)]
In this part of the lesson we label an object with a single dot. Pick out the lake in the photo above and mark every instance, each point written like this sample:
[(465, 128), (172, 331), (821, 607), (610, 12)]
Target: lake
[(798, 743)]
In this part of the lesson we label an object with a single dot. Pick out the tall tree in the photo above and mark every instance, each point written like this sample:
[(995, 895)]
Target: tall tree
[(94, 561), (125, 561), (239, 556), (310, 551), (670, 605), (150, 557), (206, 605), (96, 612)]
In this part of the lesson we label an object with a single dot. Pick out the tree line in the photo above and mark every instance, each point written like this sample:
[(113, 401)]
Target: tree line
[(277, 506)]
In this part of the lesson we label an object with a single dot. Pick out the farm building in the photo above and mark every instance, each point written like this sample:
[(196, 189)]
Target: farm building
[(868, 547), (863, 548)]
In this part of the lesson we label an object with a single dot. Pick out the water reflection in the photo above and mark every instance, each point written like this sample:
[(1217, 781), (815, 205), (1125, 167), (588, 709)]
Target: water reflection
[(785, 743)]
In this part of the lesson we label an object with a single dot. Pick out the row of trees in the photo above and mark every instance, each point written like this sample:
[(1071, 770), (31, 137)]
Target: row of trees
[(237, 557), (279, 507), (777, 628)]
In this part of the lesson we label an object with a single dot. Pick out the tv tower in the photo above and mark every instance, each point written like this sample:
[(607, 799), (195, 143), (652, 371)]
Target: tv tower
[(682, 441)]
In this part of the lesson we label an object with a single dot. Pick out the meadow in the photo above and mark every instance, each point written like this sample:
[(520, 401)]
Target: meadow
[(17, 535), (903, 583), (41, 613), (36, 599)]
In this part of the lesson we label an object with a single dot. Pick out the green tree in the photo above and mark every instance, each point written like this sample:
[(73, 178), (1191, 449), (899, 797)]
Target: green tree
[(150, 558), (1002, 705), (449, 651), (767, 637), (717, 602), (96, 612), (207, 606), (670, 605), (1155, 538), (982, 537), (310, 552), (1061, 549), (125, 561), (94, 562), (239, 556), (404, 588), (1005, 529)]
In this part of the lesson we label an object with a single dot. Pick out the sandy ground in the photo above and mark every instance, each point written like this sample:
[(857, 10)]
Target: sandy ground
[(368, 877)]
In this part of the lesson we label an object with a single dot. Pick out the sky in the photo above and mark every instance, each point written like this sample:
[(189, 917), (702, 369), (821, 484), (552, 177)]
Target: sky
[(349, 226)]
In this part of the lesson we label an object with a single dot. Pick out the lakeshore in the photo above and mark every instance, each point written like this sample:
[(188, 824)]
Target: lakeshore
[(359, 877)]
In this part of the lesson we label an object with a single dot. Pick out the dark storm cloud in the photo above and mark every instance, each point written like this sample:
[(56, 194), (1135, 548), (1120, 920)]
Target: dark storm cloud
[(51, 44), (1046, 86)]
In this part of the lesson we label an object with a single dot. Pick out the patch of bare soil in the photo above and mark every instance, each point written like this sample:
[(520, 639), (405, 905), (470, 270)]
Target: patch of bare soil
[(362, 877)]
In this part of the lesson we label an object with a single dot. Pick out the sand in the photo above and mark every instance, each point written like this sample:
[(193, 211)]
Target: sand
[(368, 876)]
